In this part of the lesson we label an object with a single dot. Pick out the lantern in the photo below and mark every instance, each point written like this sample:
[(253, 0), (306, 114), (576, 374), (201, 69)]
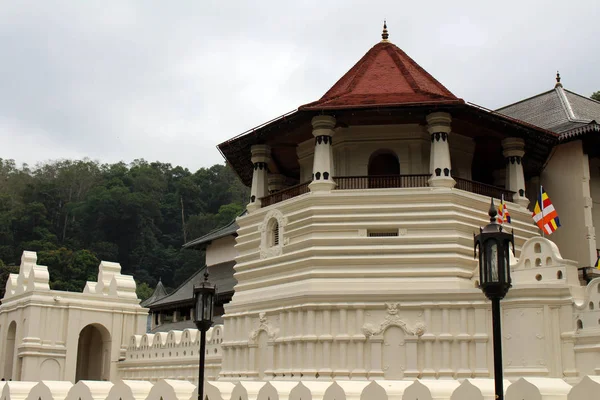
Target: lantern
[(494, 257), (204, 298)]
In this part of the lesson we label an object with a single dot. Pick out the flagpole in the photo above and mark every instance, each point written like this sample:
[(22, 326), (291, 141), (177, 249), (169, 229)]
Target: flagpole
[(503, 216), (542, 205)]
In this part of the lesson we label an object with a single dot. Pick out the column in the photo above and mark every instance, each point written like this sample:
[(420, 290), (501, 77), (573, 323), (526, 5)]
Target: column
[(440, 168), (261, 155), (323, 158), (514, 150), (276, 182)]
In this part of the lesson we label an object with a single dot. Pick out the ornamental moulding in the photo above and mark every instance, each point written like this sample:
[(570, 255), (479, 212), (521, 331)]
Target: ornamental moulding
[(264, 326), (393, 319), (266, 250)]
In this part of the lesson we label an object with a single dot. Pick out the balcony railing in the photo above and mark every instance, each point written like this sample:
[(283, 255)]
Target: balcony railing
[(285, 194), (483, 189), (389, 182), (381, 181)]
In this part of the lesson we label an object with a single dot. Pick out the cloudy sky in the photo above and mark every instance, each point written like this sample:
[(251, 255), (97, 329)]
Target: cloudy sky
[(168, 80)]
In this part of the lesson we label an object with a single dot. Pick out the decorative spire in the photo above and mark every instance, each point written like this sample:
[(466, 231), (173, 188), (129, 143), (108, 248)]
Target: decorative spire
[(558, 84), (384, 35), (492, 212)]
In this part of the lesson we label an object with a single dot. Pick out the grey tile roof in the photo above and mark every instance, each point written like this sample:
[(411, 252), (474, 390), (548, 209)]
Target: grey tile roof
[(220, 275), (158, 294), (229, 229), (558, 110)]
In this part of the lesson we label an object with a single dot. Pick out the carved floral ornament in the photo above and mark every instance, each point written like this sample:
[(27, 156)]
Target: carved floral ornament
[(266, 250), (393, 319), (263, 326)]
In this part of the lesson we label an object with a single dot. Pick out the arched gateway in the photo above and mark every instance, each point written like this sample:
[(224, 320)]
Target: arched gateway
[(93, 354)]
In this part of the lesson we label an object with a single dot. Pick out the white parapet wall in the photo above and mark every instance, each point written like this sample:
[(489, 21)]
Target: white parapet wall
[(471, 389), (171, 355), (66, 336)]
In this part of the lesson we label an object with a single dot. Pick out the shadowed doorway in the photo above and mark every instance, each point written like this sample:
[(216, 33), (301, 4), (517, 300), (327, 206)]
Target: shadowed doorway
[(93, 354)]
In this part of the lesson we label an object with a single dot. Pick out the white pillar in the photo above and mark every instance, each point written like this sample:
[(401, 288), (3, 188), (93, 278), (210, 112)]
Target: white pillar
[(514, 150), (276, 182), (261, 155), (440, 168), (322, 179)]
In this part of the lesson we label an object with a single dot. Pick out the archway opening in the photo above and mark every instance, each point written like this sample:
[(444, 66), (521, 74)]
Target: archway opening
[(11, 343), (384, 169), (93, 354)]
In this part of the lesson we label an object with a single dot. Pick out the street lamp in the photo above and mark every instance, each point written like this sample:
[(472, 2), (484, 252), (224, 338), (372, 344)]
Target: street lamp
[(494, 280), (204, 299)]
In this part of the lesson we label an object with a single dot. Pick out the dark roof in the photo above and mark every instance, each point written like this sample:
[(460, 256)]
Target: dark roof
[(158, 294), (220, 275), (229, 229), (181, 325), (558, 110), (384, 76)]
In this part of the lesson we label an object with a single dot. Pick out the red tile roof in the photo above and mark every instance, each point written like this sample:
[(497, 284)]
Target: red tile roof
[(384, 76)]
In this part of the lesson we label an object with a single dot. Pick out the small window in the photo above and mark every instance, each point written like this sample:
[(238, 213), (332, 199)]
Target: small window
[(538, 277), (275, 234), (559, 275), (579, 324), (538, 262), (591, 305), (390, 233), (537, 248)]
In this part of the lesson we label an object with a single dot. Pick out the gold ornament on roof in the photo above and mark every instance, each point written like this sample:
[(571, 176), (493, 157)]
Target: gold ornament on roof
[(384, 35)]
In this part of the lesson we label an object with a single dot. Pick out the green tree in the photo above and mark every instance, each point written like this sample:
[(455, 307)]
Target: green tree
[(596, 96), (143, 291)]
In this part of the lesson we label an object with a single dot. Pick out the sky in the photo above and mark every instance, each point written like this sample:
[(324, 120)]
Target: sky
[(118, 80)]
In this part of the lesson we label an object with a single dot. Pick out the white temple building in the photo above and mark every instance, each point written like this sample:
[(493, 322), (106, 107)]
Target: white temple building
[(354, 262)]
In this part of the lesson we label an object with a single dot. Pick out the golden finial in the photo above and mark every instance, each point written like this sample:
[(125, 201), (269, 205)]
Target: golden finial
[(384, 35), (558, 80)]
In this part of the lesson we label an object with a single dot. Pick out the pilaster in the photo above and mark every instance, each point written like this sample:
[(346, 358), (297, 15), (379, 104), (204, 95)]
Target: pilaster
[(323, 168), (514, 150), (440, 168), (261, 155)]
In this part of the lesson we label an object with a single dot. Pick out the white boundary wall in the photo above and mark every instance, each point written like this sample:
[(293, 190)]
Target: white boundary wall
[(469, 389), (172, 355)]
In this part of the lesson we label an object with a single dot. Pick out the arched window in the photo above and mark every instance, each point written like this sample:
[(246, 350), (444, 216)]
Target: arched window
[(384, 169), (559, 275), (274, 233), (579, 324)]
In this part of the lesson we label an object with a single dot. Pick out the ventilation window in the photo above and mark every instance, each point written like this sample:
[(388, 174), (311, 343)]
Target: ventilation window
[(273, 239), (537, 248), (538, 262), (579, 324), (538, 277), (390, 233), (559, 275), (591, 305)]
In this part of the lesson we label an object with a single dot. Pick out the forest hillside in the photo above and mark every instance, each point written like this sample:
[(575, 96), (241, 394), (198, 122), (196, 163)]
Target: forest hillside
[(74, 213)]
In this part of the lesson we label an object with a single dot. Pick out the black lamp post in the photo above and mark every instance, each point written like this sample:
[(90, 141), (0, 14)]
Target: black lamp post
[(204, 298), (494, 280)]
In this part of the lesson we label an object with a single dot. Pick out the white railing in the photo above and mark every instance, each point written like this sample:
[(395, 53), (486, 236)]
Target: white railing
[(471, 389)]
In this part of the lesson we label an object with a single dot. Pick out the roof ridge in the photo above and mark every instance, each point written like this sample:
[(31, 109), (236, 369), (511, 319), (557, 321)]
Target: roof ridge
[(526, 99), (582, 96), (182, 284)]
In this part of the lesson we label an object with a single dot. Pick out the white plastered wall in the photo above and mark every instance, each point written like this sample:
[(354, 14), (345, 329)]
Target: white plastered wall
[(595, 191), (566, 179), (221, 250), (49, 322)]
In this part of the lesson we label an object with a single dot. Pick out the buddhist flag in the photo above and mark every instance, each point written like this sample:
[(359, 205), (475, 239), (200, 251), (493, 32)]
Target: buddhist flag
[(544, 214), (503, 214), (597, 263)]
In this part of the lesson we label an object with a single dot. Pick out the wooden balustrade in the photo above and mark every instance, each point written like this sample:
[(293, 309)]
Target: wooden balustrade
[(285, 194), (388, 181), (483, 189), (381, 181)]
